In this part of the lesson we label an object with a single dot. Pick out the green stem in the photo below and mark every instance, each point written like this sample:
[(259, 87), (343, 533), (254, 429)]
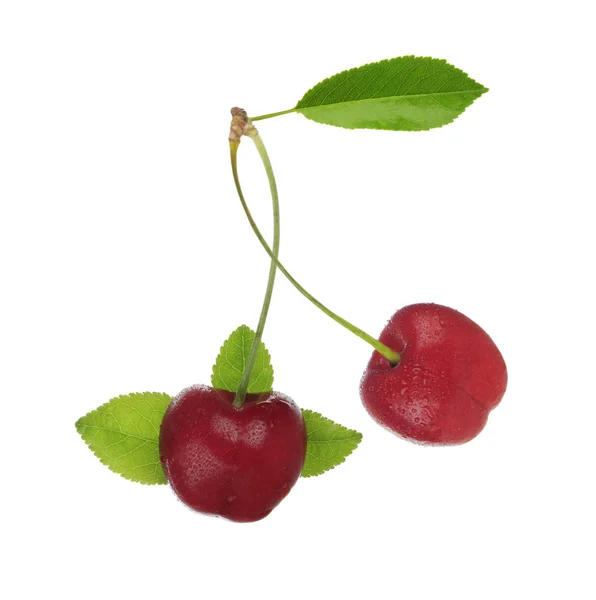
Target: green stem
[(391, 355), (276, 114), (250, 363)]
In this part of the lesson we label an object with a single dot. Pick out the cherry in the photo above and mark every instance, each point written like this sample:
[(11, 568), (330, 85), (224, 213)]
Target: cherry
[(237, 463), (449, 377)]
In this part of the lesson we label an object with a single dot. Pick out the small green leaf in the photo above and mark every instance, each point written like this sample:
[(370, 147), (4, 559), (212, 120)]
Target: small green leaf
[(328, 443), (407, 93), (124, 435), (231, 360)]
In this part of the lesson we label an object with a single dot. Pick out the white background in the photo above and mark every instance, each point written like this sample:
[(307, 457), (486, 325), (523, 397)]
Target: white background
[(126, 260)]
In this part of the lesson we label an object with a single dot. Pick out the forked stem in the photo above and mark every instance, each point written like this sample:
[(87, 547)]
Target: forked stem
[(250, 130), (391, 355)]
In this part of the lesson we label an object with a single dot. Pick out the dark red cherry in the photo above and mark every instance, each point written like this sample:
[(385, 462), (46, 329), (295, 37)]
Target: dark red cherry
[(237, 463)]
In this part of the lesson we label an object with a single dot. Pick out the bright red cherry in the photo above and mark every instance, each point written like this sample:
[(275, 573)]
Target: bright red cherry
[(450, 376), (237, 463)]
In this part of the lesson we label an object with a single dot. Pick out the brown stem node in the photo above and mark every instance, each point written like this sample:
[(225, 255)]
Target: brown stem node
[(238, 124), (241, 125)]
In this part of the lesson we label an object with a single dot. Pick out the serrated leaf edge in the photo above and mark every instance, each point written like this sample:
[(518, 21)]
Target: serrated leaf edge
[(91, 447), (262, 345), (386, 60), (481, 90), (352, 432)]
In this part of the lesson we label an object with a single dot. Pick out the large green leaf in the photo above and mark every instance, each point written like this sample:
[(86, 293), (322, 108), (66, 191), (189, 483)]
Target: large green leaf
[(407, 93)]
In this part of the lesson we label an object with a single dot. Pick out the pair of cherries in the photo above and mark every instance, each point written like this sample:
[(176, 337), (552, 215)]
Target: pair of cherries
[(239, 463)]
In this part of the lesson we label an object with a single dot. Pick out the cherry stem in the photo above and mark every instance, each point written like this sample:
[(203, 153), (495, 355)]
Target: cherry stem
[(275, 114), (250, 362), (391, 355)]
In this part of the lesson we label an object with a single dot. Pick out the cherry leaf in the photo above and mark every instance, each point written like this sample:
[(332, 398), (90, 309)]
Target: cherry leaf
[(231, 360), (124, 435), (328, 443), (407, 93)]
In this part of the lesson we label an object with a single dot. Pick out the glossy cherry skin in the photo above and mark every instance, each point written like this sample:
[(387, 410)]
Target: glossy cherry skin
[(237, 463), (451, 375)]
